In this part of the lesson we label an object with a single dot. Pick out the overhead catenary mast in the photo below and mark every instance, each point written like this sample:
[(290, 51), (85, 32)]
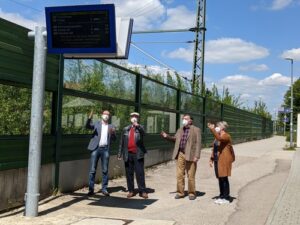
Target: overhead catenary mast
[(198, 61)]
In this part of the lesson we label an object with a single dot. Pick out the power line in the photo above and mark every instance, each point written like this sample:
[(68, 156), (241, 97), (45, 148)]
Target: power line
[(141, 8), (159, 62), (147, 12), (27, 6), (164, 42)]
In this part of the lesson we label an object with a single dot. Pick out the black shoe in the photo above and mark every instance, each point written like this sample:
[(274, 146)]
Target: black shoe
[(192, 197), (105, 193), (90, 193), (177, 196)]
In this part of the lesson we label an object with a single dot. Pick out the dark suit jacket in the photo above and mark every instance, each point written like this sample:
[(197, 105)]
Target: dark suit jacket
[(94, 142), (139, 141)]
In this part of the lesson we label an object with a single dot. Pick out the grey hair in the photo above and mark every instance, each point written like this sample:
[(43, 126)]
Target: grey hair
[(223, 125)]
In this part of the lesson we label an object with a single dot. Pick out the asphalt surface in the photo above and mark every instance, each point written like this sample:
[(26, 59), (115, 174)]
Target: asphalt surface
[(263, 187)]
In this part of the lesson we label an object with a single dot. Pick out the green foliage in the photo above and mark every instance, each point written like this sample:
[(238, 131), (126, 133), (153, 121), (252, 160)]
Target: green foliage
[(15, 111), (296, 101), (260, 108)]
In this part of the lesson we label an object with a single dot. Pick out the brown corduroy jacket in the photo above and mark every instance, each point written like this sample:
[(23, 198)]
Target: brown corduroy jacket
[(193, 145)]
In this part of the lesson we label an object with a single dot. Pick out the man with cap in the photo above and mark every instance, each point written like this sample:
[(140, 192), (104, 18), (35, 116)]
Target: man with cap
[(132, 150), (103, 134)]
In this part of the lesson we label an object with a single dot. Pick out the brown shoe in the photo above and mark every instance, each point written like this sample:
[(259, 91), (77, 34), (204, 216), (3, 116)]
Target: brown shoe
[(144, 195), (130, 195)]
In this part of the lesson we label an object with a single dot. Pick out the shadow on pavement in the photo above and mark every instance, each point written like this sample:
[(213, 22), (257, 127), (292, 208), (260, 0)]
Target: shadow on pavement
[(198, 193), (123, 202), (115, 189), (18, 209), (230, 198), (76, 198)]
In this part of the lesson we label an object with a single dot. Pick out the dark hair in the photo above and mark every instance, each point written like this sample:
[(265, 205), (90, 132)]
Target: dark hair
[(188, 116)]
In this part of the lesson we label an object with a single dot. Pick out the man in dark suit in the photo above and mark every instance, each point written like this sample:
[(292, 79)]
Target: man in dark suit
[(103, 134), (132, 150)]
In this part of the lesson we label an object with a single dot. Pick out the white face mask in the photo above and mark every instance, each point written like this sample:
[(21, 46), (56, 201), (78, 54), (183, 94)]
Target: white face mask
[(133, 120), (105, 117), (185, 122), (218, 129)]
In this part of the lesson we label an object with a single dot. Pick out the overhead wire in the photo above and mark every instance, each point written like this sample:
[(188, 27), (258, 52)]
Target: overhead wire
[(140, 8), (159, 62), (24, 5), (164, 42)]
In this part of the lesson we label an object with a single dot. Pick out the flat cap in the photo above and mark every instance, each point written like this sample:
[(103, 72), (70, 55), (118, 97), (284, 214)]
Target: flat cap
[(135, 114)]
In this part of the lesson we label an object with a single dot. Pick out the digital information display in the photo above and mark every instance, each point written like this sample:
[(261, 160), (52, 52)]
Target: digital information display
[(81, 29)]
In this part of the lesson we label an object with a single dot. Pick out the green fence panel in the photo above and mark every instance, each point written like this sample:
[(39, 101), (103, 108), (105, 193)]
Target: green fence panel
[(14, 151), (16, 57)]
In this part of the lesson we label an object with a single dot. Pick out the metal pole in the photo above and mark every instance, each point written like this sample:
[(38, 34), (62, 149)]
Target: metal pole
[(36, 130), (292, 101), (284, 124), (198, 61), (164, 31)]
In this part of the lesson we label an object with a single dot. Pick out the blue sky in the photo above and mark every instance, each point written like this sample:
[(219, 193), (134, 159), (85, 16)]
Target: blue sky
[(246, 40)]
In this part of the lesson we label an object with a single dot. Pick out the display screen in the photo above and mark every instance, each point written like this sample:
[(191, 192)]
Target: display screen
[(81, 29)]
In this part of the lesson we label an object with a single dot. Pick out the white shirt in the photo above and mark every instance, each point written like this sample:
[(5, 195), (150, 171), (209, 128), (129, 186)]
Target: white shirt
[(104, 134)]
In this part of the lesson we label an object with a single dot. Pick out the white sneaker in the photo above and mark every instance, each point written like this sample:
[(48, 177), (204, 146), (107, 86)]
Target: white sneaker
[(218, 201), (223, 201)]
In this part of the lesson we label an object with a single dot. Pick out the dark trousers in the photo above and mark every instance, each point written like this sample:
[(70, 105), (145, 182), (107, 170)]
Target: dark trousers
[(224, 187), (223, 183), (134, 165)]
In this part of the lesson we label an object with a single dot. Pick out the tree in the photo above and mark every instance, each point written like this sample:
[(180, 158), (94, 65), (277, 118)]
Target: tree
[(231, 99), (296, 99), (260, 108)]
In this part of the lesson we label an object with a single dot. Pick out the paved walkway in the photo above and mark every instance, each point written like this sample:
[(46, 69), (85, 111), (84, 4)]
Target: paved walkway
[(286, 210), (259, 175)]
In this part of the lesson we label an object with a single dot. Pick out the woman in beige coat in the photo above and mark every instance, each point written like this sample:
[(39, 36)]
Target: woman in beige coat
[(222, 158)]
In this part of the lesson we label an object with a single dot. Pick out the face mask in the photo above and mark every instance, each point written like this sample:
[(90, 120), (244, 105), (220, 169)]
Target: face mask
[(105, 117), (133, 120), (218, 129), (185, 122)]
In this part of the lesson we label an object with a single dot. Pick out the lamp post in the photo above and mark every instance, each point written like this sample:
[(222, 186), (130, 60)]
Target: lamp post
[(292, 99)]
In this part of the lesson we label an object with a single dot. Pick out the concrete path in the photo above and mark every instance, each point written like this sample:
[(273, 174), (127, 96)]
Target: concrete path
[(259, 174), (286, 210)]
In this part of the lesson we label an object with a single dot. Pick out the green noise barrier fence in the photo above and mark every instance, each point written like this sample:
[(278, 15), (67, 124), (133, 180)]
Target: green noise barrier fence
[(75, 87)]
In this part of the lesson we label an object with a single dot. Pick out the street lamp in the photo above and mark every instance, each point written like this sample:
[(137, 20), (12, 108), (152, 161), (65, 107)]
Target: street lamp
[(292, 99)]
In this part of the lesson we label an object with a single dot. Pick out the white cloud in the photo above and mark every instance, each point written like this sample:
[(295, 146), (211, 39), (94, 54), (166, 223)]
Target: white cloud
[(224, 50), (275, 79), (182, 53), (292, 53), (179, 17), (146, 15), (20, 20), (280, 4), (270, 89), (233, 50), (254, 67)]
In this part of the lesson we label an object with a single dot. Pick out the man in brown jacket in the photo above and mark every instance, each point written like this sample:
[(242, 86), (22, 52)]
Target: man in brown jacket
[(187, 153)]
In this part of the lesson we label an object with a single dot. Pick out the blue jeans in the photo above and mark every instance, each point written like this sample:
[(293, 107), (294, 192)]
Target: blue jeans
[(100, 152)]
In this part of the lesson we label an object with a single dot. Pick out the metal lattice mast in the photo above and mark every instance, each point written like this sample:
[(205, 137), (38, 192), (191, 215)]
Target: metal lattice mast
[(198, 65)]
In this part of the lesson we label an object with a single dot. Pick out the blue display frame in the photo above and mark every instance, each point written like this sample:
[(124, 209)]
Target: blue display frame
[(81, 8)]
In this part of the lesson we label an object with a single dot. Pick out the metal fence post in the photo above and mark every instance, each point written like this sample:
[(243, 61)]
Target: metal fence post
[(138, 93), (178, 102), (36, 122), (58, 117), (204, 121)]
